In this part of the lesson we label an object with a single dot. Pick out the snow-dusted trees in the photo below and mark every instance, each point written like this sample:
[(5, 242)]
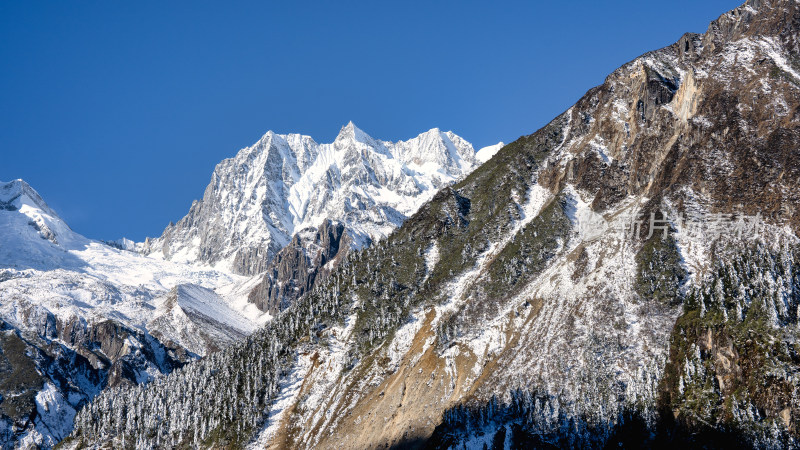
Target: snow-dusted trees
[(223, 399)]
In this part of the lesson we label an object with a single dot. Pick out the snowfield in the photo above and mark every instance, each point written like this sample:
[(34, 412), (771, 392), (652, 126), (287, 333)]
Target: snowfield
[(44, 263)]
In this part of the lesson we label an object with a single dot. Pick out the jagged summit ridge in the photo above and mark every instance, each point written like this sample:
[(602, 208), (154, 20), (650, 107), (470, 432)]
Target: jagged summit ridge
[(351, 132), (257, 200)]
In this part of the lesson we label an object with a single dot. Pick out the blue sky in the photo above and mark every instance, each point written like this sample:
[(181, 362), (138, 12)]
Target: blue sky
[(117, 112)]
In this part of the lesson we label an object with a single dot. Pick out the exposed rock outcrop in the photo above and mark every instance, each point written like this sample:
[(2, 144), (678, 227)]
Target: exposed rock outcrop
[(310, 257)]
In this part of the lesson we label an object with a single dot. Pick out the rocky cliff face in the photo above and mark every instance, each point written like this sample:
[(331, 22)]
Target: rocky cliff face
[(699, 115), (626, 275), (47, 372), (310, 257), (258, 200)]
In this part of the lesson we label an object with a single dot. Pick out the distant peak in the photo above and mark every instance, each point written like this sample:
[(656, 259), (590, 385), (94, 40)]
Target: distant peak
[(448, 138), (19, 183), (268, 136), (352, 132), (12, 192), (349, 128), (14, 188)]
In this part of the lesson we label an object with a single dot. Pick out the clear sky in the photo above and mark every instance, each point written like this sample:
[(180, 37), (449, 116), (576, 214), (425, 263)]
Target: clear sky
[(117, 112)]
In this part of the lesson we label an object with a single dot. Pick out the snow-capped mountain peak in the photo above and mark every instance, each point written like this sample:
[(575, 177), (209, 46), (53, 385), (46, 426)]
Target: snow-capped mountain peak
[(351, 133), (34, 236), (436, 147), (18, 193), (259, 199)]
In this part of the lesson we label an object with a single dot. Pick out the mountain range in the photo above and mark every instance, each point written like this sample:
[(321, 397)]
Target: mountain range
[(257, 201), (85, 315)]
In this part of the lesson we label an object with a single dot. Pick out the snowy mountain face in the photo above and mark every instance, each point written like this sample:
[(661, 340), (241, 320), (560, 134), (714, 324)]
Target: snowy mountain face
[(258, 200), (77, 316), (533, 304)]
